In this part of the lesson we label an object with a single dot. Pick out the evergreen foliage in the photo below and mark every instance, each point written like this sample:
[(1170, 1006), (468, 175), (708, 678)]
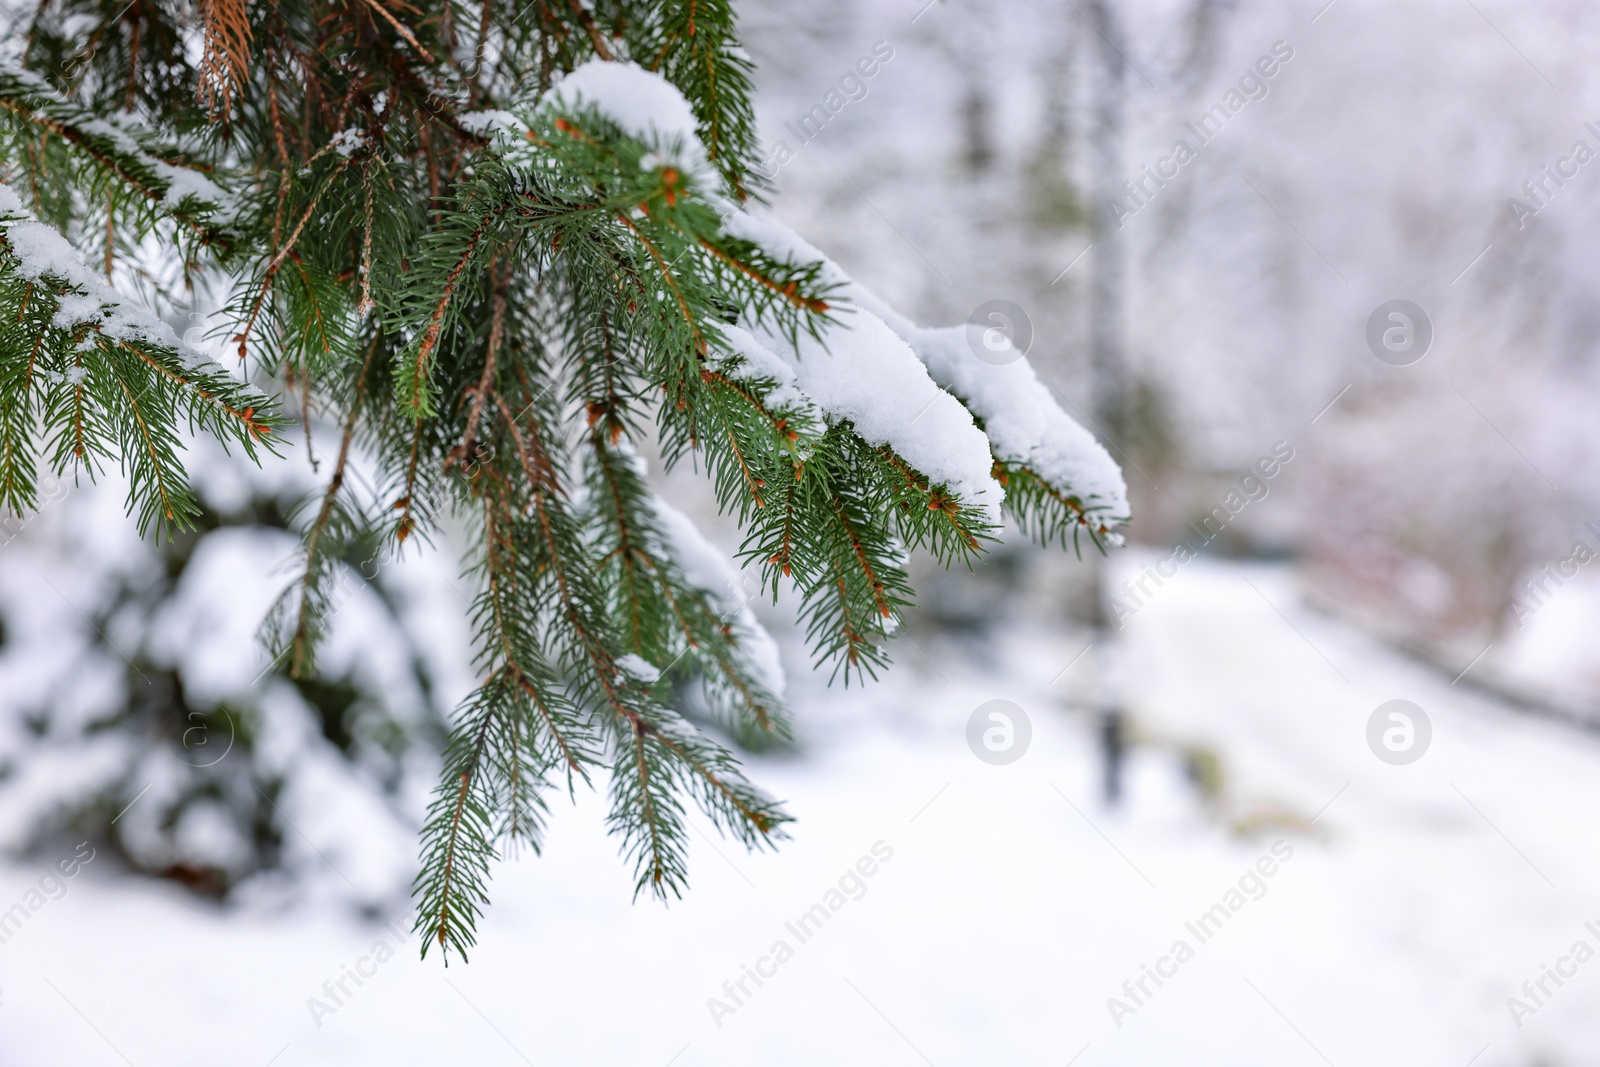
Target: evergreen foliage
[(493, 289)]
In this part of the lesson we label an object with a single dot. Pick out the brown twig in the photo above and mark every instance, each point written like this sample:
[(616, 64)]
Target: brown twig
[(601, 48), (401, 29), (861, 555), (430, 337), (277, 260), (364, 305), (666, 274), (460, 452)]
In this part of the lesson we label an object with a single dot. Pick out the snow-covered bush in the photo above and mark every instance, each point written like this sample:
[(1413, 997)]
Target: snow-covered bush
[(138, 710)]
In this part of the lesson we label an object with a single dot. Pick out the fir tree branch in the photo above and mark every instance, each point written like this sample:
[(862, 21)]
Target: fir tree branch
[(265, 285), (519, 274), (480, 392), (116, 151), (789, 290), (416, 382)]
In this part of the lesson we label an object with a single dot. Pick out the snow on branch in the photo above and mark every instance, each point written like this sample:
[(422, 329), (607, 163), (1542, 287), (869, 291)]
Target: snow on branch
[(641, 104), (865, 373), (709, 571), (102, 369), (43, 255), (116, 146), (1026, 428), (1025, 425)]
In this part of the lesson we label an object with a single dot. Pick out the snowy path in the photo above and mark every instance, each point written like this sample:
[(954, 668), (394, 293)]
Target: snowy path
[(1012, 907)]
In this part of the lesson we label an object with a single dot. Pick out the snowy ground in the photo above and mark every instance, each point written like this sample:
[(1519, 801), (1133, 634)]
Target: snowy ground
[(1013, 905)]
